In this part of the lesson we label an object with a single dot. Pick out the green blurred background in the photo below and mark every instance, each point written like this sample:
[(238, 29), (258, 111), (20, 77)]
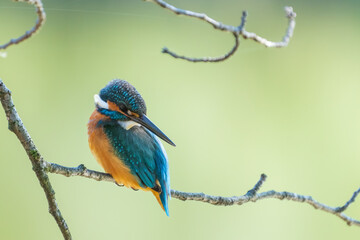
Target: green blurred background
[(292, 113)]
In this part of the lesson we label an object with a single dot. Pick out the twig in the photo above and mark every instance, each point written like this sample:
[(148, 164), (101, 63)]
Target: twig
[(352, 199), (251, 196), (290, 14), (39, 22), (207, 59), (17, 127), (80, 170), (252, 192), (239, 30)]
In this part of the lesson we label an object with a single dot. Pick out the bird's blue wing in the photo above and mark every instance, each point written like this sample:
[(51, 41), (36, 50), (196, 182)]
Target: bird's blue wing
[(144, 154)]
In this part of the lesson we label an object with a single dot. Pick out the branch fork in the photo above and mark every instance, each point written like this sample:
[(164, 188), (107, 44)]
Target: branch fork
[(236, 31), (252, 195)]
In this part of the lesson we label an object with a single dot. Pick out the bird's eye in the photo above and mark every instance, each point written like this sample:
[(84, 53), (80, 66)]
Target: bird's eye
[(122, 107)]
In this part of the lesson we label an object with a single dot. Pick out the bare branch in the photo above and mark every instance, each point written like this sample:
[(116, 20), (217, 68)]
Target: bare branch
[(17, 127), (207, 59), (239, 200), (80, 170), (201, 16), (290, 14), (352, 199), (239, 30), (257, 186), (251, 196), (39, 22)]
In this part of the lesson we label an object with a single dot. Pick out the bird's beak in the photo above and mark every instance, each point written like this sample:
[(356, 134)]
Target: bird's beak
[(144, 121)]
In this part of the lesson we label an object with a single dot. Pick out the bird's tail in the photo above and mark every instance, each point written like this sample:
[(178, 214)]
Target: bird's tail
[(162, 199)]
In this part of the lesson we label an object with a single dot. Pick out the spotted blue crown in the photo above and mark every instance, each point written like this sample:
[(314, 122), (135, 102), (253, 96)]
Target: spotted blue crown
[(124, 95)]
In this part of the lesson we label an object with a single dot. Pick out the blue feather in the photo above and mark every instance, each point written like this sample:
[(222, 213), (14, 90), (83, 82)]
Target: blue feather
[(144, 154)]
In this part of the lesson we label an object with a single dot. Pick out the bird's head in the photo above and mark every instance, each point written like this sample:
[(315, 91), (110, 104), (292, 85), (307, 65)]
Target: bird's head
[(121, 102)]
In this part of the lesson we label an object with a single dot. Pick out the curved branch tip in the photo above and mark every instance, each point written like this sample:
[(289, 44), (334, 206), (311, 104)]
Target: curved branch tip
[(38, 24)]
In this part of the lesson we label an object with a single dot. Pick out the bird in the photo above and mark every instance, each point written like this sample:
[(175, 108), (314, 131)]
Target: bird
[(126, 143)]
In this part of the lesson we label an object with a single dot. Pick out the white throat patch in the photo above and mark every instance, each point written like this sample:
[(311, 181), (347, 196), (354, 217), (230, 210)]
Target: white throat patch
[(128, 124)]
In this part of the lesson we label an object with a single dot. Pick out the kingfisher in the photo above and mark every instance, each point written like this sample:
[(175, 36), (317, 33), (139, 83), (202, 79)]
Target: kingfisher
[(126, 143)]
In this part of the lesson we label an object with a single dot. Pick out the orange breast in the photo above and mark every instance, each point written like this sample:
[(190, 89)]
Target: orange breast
[(104, 154)]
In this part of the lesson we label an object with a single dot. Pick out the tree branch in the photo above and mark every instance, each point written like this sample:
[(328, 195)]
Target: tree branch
[(39, 22), (290, 14), (17, 127), (251, 196), (239, 30), (207, 59), (80, 170)]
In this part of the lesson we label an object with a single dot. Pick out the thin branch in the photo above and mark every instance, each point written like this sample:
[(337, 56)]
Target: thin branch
[(347, 204), (17, 127), (80, 170), (39, 22), (257, 186), (290, 14), (201, 16), (251, 196), (239, 30), (207, 59)]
